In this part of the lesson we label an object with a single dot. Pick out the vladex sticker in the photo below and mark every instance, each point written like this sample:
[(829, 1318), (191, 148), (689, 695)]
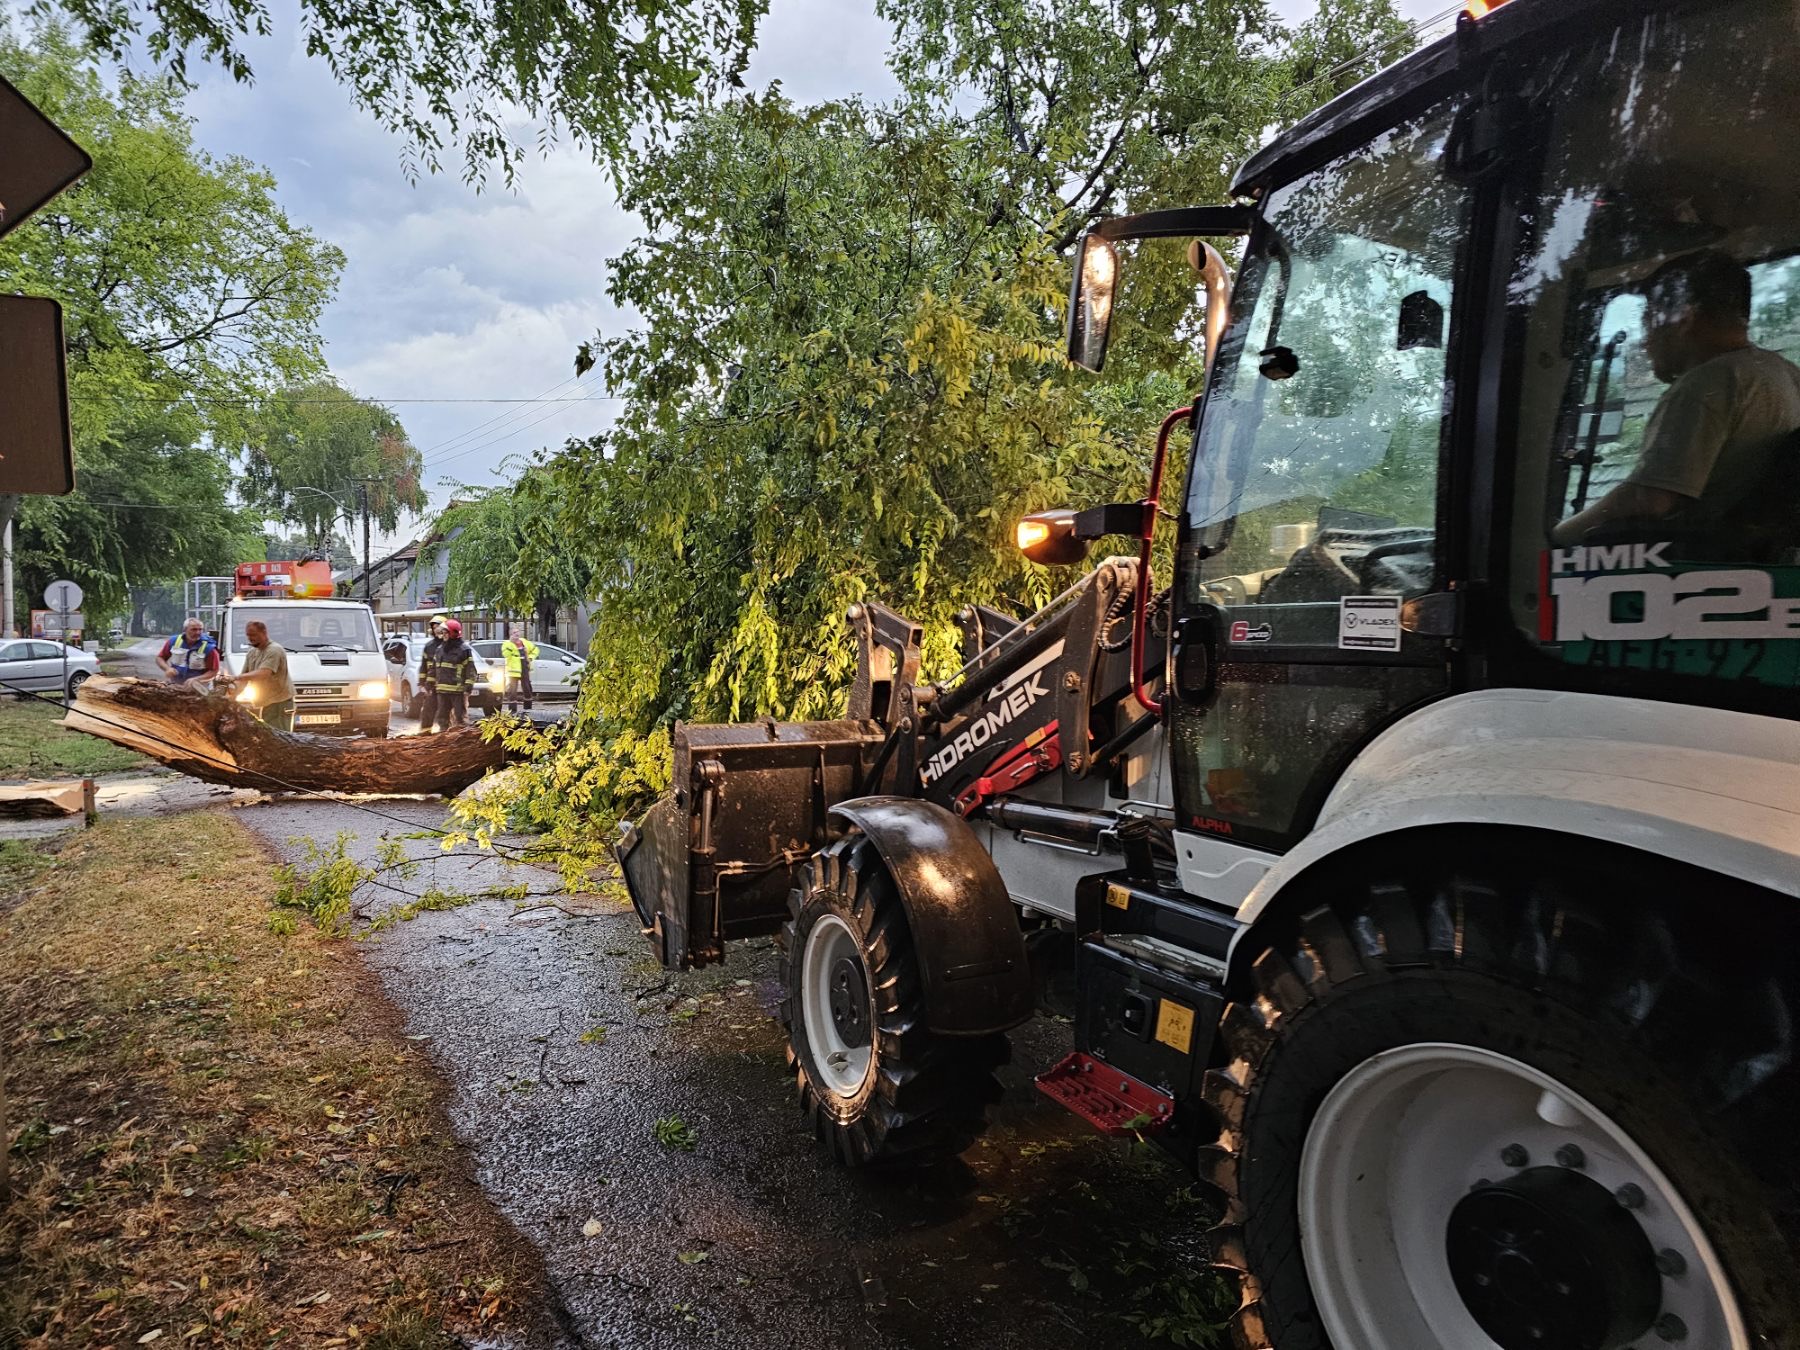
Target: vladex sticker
[(1369, 623)]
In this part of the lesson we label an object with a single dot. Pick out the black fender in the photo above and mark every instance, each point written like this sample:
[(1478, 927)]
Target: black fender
[(971, 950)]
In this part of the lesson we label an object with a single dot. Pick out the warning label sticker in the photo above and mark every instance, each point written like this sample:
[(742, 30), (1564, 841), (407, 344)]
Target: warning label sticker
[(1369, 623)]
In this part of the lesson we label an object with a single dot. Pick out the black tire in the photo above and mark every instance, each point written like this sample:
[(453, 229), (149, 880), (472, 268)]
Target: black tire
[(924, 1097), (76, 680), (1682, 1036)]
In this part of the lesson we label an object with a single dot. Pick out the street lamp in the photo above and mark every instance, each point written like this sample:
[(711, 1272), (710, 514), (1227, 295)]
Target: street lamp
[(362, 497)]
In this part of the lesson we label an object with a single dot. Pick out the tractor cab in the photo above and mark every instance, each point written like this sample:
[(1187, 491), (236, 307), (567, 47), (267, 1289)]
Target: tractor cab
[(1507, 396)]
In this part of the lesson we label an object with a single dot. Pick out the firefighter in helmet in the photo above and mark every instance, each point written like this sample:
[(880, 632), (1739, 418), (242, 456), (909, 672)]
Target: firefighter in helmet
[(453, 676)]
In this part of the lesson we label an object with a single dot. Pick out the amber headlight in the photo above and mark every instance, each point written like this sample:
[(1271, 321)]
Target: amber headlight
[(372, 689), (496, 679), (247, 694)]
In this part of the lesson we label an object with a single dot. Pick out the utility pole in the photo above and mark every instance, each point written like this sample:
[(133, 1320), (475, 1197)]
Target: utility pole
[(6, 578), (362, 498)]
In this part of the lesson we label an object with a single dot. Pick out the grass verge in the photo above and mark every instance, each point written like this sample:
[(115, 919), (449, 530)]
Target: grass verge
[(219, 1135), (32, 744)]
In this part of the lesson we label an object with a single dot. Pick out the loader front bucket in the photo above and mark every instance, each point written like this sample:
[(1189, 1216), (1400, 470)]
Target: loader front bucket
[(714, 860)]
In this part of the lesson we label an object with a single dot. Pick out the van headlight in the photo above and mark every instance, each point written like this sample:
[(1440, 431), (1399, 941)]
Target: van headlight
[(372, 689), (496, 679), (247, 694)]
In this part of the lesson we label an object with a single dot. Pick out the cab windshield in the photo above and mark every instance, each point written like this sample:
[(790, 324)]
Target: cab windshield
[(1316, 472)]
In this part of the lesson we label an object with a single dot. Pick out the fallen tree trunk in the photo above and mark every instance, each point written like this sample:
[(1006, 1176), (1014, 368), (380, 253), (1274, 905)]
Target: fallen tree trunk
[(220, 741)]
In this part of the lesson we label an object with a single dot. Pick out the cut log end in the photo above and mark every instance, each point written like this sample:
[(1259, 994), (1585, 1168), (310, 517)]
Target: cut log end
[(218, 740)]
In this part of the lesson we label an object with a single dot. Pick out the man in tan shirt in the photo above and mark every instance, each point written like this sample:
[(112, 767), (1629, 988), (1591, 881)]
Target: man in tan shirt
[(1715, 440), (266, 672)]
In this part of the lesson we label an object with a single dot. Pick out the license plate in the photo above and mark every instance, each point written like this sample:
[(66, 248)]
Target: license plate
[(316, 719), (319, 691)]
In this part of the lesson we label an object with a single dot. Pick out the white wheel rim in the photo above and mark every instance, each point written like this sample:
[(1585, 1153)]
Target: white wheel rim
[(841, 1066), (1406, 1135)]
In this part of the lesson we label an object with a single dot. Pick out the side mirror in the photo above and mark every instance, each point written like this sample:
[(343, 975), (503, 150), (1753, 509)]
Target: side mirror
[(1049, 537), (1091, 301)]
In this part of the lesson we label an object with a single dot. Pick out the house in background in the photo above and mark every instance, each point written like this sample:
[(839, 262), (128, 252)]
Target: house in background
[(412, 579)]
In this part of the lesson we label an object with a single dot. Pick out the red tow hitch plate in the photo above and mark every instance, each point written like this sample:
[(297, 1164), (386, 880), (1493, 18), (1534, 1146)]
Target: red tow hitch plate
[(1110, 1101)]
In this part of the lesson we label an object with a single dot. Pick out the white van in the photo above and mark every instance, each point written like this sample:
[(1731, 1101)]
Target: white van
[(334, 660)]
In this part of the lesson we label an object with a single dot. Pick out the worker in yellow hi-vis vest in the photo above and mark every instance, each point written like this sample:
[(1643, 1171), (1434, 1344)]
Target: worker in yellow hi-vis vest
[(521, 654)]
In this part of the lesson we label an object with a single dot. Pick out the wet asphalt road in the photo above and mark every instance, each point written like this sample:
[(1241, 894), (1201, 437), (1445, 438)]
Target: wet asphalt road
[(564, 1045)]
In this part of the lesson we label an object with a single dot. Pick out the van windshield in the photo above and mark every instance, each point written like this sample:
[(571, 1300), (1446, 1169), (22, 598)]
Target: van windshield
[(301, 627)]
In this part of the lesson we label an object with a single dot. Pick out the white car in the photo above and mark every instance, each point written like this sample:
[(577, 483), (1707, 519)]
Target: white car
[(35, 665), (403, 675), (556, 674)]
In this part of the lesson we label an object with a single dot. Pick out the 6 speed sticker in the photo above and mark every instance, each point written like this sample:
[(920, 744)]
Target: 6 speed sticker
[(1245, 631)]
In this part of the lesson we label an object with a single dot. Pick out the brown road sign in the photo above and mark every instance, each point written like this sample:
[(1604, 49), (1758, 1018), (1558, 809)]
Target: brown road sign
[(37, 160), (36, 454)]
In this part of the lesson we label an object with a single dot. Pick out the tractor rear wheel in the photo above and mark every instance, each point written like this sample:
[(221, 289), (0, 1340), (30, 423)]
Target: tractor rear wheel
[(1469, 1112), (880, 1088)]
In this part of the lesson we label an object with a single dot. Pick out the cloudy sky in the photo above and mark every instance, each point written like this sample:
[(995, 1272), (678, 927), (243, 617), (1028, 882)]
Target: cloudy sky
[(454, 295)]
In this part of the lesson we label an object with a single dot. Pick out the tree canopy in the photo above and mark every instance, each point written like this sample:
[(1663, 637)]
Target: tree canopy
[(848, 379), (188, 297), (450, 74), (505, 550), (317, 445)]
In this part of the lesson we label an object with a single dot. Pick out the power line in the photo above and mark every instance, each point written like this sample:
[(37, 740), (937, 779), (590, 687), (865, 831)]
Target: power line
[(440, 460), (1376, 48), (495, 421)]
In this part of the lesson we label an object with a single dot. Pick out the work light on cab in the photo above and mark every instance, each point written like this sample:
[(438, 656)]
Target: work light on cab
[(1049, 537)]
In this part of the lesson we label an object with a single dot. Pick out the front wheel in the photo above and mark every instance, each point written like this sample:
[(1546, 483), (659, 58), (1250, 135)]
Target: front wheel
[(879, 1086), (1469, 1115)]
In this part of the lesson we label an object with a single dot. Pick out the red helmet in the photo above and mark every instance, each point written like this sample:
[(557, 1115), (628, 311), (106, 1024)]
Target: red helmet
[(453, 627)]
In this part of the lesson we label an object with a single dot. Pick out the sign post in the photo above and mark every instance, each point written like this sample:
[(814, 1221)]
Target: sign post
[(63, 597)]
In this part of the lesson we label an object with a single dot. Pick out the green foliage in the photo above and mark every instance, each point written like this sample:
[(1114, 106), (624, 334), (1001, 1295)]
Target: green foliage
[(434, 900), (317, 445), (504, 550), (325, 883), (322, 884), (439, 72), (849, 384), (593, 1036), (674, 1133), (187, 297)]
